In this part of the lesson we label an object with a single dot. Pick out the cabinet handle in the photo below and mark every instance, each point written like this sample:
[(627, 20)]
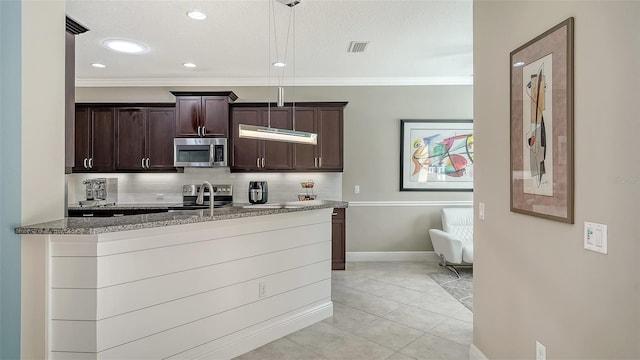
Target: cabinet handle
[(204, 131), (90, 163), (199, 131), (142, 163), (320, 162), (86, 166), (258, 162), (334, 214), (148, 163), (263, 162)]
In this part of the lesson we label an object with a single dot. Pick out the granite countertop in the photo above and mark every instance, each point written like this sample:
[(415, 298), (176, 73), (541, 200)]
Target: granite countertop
[(92, 225)]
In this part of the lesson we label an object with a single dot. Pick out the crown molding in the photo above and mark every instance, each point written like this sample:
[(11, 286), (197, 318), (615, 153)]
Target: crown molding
[(373, 81)]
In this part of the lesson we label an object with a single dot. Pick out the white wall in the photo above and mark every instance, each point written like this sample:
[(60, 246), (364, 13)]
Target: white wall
[(371, 153), (533, 280), (43, 96)]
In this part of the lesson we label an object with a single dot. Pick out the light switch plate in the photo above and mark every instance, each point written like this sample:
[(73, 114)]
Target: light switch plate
[(481, 211), (595, 237)]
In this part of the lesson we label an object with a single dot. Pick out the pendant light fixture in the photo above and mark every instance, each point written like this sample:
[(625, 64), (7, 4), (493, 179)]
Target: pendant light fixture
[(275, 134)]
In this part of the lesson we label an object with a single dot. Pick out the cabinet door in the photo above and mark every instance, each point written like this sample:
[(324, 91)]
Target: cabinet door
[(245, 154), (159, 140), (82, 134), (305, 157), (215, 116), (338, 239), (70, 102), (330, 139), (187, 116), (130, 146), (277, 155), (102, 143)]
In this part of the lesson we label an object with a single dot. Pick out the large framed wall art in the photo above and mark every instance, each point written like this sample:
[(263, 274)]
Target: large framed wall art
[(541, 146), (436, 155)]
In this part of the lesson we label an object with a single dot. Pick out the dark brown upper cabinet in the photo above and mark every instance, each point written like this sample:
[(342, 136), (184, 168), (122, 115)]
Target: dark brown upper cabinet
[(260, 155), (145, 138), (325, 119), (327, 122), (203, 114), (73, 28), (124, 137), (94, 134)]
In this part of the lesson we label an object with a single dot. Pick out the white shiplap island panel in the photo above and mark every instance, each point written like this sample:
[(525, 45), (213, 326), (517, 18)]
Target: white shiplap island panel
[(207, 290)]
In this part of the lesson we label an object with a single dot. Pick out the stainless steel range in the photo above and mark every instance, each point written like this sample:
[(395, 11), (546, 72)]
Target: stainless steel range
[(222, 196)]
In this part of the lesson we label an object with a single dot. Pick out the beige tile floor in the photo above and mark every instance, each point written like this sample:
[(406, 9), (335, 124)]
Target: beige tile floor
[(382, 310)]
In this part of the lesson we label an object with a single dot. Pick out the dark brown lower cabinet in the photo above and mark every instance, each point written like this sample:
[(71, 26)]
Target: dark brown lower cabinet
[(338, 239)]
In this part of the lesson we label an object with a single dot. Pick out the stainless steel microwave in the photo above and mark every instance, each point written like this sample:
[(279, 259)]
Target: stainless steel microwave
[(200, 152)]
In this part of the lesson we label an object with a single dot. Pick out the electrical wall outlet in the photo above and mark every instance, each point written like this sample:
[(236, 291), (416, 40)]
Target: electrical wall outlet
[(262, 289), (356, 189), (541, 351)]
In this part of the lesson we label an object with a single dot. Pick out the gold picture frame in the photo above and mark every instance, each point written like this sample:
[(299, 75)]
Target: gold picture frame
[(541, 146)]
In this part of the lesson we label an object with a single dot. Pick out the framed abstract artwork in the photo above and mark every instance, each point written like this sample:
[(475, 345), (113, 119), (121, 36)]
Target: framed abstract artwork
[(541, 146), (436, 155)]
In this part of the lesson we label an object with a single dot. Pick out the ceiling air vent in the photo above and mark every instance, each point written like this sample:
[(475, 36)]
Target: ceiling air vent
[(358, 46)]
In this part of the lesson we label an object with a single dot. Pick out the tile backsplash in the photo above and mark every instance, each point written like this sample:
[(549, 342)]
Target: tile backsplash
[(167, 187)]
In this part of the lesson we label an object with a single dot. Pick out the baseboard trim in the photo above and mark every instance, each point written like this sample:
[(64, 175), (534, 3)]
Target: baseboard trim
[(408, 203), (476, 354), (261, 334), (392, 256)]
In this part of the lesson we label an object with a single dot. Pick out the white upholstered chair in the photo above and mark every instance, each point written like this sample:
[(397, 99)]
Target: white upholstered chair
[(454, 244)]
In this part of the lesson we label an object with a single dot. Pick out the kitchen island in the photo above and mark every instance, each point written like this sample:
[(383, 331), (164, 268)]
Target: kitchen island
[(188, 284)]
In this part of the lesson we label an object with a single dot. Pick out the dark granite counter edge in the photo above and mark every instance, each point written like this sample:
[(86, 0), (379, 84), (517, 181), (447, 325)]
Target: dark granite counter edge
[(93, 226)]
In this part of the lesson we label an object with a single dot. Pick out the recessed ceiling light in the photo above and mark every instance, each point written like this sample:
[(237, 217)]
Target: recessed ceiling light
[(519, 63), (196, 15), (126, 46), (98, 65), (189, 65), (279, 64)]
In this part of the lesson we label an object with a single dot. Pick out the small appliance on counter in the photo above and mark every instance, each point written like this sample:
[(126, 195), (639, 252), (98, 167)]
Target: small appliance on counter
[(308, 187), (222, 196), (258, 192), (100, 192)]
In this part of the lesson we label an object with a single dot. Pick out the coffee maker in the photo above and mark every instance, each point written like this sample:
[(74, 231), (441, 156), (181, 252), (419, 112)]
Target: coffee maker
[(258, 192), (100, 192)]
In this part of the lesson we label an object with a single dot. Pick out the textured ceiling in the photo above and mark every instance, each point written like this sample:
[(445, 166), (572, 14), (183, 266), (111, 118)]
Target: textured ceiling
[(411, 42)]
